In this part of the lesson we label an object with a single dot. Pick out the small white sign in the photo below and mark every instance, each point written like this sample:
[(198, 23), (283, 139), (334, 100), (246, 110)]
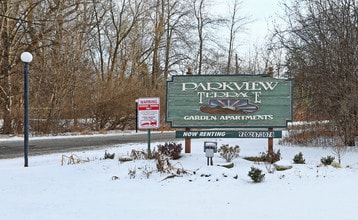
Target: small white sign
[(148, 113)]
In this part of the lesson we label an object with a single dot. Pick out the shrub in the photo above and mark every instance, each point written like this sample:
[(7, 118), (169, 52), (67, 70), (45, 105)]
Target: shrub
[(327, 160), (132, 172), (147, 171), (256, 175), (266, 157), (228, 152), (298, 159), (171, 150), (270, 157), (108, 155), (139, 154), (163, 164)]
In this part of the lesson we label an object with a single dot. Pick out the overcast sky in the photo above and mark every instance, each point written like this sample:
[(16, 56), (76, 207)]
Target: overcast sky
[(261, 12)]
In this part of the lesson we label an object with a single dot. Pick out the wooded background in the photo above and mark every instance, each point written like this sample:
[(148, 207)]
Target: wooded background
[(93, 58)]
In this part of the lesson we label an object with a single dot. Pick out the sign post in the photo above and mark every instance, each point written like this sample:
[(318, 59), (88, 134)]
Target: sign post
[(187, 143), (148, 115)]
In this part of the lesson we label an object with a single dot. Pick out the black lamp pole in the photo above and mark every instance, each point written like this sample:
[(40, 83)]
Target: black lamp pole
[(26, 113), (26, 58)]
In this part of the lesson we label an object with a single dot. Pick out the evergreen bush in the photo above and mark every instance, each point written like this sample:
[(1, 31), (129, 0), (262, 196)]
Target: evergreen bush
[(256, 175), (327, 160), (298, 159), (108, 155)]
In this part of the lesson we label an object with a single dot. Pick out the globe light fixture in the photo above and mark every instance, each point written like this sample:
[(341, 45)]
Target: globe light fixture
[(26, 57)]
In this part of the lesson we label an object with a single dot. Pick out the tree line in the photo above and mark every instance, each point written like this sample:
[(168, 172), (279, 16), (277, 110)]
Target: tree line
[(93, 58), (320, 41)]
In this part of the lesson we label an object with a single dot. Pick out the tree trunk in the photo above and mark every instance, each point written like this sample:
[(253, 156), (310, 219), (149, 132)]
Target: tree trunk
[(5, 88)]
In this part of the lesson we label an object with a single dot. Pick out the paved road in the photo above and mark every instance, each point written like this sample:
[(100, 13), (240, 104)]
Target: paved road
[(15, 148)]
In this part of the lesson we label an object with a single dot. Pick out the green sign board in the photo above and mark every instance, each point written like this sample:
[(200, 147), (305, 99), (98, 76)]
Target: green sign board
[(228, 134), (235, 101)]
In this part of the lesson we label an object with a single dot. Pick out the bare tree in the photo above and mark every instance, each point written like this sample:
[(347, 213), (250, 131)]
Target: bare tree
[(339, 149), (235, 24), (176, 11), (56, 38), (13, 29), (93, 58), (203, 21), (158, 32), (322, 56), (7, 25)]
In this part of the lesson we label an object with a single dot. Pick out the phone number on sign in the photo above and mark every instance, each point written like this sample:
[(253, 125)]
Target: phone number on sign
[(256, 134)]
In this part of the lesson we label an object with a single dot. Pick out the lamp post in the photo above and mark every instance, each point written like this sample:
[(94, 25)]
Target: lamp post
[(26, 58), (136, 116)]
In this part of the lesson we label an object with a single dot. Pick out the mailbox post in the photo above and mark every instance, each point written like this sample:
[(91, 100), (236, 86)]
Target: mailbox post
[(210, 148)]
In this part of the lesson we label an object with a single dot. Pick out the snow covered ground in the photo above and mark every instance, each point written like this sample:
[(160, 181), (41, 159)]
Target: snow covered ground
[(103, 188)]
